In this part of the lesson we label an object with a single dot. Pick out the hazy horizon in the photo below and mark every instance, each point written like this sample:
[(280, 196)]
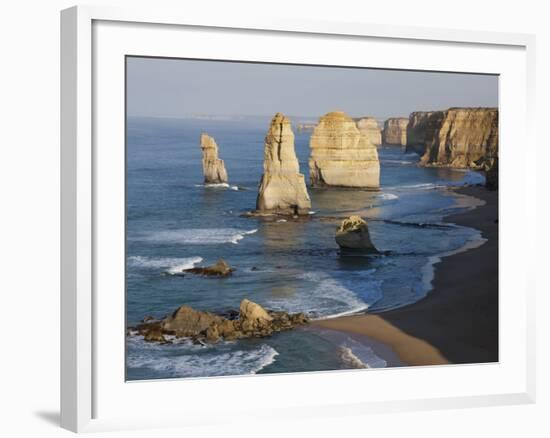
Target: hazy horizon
[(178, 88)]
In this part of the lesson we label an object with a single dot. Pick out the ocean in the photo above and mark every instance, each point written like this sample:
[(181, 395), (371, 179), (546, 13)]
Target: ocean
[(175, 222)]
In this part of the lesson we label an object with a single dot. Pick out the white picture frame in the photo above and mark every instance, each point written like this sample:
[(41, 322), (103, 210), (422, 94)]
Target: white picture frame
[(91, 36)]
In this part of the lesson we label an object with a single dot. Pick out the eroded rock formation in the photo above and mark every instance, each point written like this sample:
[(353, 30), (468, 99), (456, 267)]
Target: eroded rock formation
[(218, 269), (252, 321), (341, 155), (186, 322), (395, 131), (491, 175), (463, 137), (213, 168), (368, 126), (353, 234), (421, 126), (282, 187)]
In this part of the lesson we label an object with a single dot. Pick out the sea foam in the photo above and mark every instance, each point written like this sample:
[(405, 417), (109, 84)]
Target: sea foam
[(387, 196), (350, 359), (198, 236), (170, 265), (353, 352), (187, 360), (215, 185), (327, 297), (402, 162)]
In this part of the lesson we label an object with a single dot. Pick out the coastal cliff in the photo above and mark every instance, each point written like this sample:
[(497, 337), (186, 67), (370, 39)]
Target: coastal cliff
[(395, 131), (368, 126), (491, 175), (420, 127), (282, 187), (462, 137), (213, 168), (341, 155)]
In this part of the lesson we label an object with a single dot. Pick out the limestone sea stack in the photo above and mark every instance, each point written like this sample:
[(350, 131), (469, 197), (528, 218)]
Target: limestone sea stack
[(282, 187), (353, 234), (463, 138), (421, 126), (341, 155), (369, 127), (395, 131), (213, 168)]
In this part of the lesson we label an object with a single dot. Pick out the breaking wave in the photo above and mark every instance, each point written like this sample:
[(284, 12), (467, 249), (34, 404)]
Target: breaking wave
[(188, 360), (387, 196), (402, 162), (326, 297), (170, 265), (349, 359), (198, 236), (213, 185)]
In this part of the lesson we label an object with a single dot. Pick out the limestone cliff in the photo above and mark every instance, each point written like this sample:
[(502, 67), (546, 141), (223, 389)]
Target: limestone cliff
[(368, 126), (341, 155), (420, 127), (282, 187), (395, 131), (491, 175), (213, 168), (463, 137)]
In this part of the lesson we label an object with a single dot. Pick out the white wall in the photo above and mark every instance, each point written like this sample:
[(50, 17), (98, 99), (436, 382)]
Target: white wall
[(29, 219)]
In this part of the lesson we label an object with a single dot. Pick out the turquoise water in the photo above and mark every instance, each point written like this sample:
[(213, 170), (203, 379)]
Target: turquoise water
[(174, 222)]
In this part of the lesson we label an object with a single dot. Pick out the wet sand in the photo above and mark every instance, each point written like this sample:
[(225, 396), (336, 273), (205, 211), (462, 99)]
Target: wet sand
[(457, 322)]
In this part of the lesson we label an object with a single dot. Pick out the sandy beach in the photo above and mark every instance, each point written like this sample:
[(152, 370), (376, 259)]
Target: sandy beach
[(457, 322)]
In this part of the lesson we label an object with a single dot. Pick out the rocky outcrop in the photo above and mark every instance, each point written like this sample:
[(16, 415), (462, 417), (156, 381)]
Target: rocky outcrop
[(213, 168), (463, 138), (395, 131), (282, 187), (491, 175), (219, 269), (252, 321), (368, 126), (187, 322), (353, 234), (341, 156), (421, 126), (253, 317)]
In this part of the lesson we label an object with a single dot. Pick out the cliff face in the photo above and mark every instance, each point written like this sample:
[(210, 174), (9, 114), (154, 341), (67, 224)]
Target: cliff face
[(420, 127), (341, 155), (463, 137), (282, 187), (213, 168), (368, 126), (395, 131), (491, 175)]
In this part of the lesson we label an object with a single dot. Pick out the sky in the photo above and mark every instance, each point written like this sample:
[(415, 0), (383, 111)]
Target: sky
[(158, 87)]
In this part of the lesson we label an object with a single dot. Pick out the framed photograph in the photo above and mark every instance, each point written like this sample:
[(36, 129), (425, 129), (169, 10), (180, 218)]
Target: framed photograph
[(320, 215)]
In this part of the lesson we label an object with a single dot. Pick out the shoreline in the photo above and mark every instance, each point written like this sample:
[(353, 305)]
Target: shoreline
[(457, 321)]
